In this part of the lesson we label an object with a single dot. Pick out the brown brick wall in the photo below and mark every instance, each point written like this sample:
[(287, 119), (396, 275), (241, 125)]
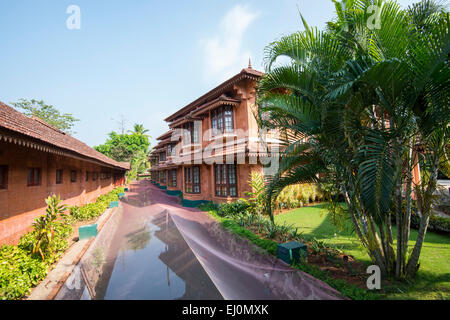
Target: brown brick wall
[(21, 204)]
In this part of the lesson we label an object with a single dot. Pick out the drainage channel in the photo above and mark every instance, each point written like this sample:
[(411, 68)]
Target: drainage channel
[(139, 256)]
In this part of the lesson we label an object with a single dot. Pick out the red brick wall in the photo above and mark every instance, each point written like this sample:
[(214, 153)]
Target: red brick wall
[(21, 204)]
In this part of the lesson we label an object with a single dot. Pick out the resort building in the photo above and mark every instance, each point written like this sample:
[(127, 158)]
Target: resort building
[(213, 144), (37, 160)]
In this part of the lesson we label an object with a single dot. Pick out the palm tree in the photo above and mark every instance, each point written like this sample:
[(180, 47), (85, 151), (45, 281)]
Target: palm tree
[(139, 130), (358, 106)]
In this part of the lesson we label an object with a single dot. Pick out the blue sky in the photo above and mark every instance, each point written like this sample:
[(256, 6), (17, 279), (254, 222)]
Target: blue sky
[(141, 59)]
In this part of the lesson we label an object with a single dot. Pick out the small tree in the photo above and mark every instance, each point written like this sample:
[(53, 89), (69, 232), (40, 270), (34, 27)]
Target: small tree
[(37, 108), (43, 226)]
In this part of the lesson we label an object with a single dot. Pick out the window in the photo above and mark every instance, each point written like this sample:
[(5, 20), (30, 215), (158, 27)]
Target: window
[(73, 176), (192, 180), (3, 177), (94, 176), (162, 177), (222, 120), (226, 182), (87, 176), (190, 134), (162, 156), (173, 178), (59, 176), (171, 150), (105, 175), (34, 176)]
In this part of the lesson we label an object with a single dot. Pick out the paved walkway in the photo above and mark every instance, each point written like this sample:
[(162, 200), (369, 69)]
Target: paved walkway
[(238, 269)]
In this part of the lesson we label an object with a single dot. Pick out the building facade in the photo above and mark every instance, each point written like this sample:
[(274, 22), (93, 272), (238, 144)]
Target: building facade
[(37, 160), (213, 144)]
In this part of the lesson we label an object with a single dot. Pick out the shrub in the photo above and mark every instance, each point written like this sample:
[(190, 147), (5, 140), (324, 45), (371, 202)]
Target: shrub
[(19, 271), (20, 268), (295, 196), (43, 227), (93, 210), (437, 224), (257, 195), (233, 208)]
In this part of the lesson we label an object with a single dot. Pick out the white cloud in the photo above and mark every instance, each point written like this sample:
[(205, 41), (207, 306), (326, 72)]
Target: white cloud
[(224, 55)]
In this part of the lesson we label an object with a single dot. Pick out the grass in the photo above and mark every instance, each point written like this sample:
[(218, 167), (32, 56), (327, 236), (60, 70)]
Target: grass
[(433, 278)]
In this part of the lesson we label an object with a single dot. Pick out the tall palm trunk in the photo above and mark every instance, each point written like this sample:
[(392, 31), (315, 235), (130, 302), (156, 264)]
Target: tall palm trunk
[(424, 203)]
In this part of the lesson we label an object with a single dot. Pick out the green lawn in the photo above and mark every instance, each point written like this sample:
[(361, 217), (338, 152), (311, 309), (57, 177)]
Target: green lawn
[(433, 278)]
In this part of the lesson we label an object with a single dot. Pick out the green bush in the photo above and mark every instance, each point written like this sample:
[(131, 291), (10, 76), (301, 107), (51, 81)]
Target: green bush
[(295, 196), (20, 269), (93, 210), (437, 224), (234, 208)]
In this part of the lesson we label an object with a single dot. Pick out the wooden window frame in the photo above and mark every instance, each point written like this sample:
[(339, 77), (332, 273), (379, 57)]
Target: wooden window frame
[(172, 178), (190, 185), (94, 176), (224, 181), (220, 114), (4, 174), (164, 175), (171, 149), (87, 176), (193, 137), (73, 178), (34, 171), (61, 179)]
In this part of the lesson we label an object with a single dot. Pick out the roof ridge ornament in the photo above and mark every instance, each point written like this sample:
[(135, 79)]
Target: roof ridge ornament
[(250, 63)]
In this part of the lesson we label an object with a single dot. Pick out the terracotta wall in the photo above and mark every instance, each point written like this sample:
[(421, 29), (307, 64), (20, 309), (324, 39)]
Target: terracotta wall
[(244, 123), (208, 183), (20, 204)]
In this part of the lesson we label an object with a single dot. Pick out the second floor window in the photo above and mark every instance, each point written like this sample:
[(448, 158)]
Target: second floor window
[(162, 156), (192, 180), (3, 177), (171, 150), (190, 133), (173, 178), (34, 177), (222, 120), (59, 176)]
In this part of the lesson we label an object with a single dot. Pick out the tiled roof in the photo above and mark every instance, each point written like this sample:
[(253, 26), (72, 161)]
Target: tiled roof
[(222, 100), (165, 135), (247, 73), (34, 128)]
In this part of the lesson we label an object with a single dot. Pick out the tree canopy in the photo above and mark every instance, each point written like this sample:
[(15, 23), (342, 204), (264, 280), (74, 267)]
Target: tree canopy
[(122, 147), (48, 113), (360, 105)]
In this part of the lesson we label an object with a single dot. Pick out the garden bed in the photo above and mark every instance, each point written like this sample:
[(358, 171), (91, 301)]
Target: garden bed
[(21, 269), (336, 257)]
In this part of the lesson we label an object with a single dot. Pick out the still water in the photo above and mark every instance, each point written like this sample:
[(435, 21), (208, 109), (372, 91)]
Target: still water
[(151, 260)]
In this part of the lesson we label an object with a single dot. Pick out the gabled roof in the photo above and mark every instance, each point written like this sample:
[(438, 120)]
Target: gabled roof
[(45, 134), (247, 73)]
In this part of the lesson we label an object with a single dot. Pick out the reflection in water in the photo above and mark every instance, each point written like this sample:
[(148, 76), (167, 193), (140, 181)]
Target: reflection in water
[(139, 239), (142, 253), (153, 262)]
